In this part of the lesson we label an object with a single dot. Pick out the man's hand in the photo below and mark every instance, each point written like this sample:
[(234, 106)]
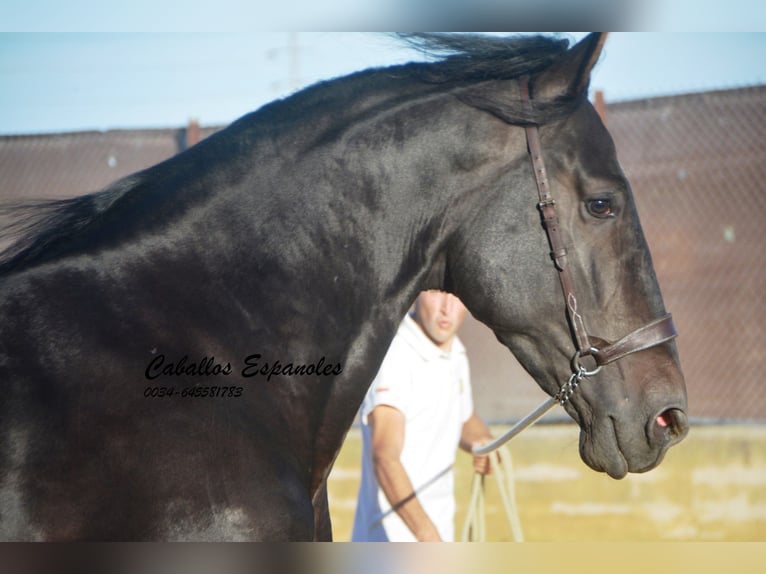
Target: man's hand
[(476, 433), (481, 462)]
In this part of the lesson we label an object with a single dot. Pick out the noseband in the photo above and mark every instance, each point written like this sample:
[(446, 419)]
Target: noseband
[(603, 352)]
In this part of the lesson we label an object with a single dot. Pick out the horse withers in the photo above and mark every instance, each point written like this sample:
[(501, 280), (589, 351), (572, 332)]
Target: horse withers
[(183, 353)]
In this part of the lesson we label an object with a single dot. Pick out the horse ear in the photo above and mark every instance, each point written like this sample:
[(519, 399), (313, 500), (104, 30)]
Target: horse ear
[(570, 74)]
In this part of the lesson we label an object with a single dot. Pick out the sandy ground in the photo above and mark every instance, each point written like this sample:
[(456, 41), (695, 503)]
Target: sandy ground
[(711, 487)]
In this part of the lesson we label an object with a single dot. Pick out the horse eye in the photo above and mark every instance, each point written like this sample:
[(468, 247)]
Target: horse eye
[(601, 207)]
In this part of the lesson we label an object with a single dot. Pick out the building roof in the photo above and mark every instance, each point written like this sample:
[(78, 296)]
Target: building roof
[(72, 163)]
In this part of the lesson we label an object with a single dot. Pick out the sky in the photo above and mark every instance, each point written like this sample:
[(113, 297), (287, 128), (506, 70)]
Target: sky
[(52, 82), (94, 65)]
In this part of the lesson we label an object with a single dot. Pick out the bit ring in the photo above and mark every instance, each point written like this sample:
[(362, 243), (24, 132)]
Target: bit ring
[(581, 371)]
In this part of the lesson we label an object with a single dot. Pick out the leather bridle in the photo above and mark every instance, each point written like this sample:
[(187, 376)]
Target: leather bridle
[(603, 352)]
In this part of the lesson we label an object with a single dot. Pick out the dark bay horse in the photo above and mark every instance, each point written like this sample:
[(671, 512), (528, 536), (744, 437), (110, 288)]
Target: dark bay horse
[(182, 354)]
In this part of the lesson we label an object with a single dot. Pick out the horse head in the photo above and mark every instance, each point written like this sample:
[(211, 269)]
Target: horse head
[(633, 408)]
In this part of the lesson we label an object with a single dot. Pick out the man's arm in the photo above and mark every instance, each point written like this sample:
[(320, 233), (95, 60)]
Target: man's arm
[(475, 432), (387, 443)]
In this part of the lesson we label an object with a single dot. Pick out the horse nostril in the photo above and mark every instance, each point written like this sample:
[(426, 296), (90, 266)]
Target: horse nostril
[(670, 426)]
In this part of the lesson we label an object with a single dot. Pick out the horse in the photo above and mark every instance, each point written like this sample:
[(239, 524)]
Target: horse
[(183, 353)]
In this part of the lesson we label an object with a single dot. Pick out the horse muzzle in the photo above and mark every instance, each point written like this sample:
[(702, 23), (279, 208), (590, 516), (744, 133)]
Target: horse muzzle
[(617, 433)]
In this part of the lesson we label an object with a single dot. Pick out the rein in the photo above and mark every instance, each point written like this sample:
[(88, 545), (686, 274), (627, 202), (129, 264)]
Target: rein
[(652, 334)]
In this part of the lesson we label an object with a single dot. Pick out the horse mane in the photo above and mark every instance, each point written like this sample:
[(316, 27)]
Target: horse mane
[(475, 62), (459, 62), (471, 57), (29, 227)]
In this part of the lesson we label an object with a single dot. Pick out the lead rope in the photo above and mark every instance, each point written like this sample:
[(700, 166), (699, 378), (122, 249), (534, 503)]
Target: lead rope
[(560, 398), (474, 527)]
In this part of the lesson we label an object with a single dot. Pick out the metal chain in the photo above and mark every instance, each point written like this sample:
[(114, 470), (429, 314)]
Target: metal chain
[(561, 397), (568, 388)]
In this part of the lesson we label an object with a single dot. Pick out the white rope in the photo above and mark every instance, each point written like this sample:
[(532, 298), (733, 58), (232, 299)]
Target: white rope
[(527, 421), (474, 528)]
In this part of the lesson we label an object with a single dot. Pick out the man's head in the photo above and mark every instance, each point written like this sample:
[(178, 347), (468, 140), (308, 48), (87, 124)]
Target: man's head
[(439, 315)]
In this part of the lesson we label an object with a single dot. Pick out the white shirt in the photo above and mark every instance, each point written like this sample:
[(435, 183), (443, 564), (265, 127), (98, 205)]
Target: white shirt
[(432, 389)]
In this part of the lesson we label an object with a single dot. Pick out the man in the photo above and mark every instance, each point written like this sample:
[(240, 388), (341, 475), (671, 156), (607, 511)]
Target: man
[(417, 411)]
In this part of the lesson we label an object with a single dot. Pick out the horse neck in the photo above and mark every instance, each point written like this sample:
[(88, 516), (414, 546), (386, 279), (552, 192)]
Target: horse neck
[(384, 229)]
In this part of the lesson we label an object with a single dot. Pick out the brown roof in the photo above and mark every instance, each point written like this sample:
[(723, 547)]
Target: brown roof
[(696, 163), (69, 164)]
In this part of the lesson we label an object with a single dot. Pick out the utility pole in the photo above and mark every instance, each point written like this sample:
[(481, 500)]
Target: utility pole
[(293, 62)]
